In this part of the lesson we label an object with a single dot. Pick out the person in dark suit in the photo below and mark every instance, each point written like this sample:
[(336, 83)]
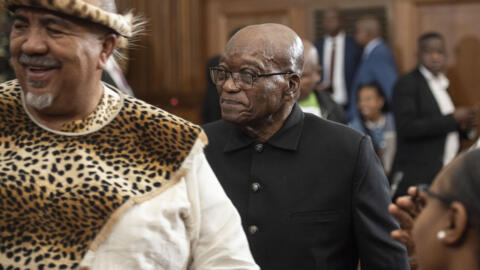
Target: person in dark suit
[(428, 124), (311, 193), (211, 108), (339, 56), (377, 64), (313, 100)]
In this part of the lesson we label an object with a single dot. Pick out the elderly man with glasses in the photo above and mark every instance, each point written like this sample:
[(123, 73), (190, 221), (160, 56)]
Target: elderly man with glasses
[(91, 178), (311, 193)]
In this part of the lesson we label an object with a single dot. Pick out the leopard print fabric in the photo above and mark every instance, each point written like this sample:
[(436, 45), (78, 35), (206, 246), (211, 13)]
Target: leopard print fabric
[(59, 192), (105, 111), (124, 25)]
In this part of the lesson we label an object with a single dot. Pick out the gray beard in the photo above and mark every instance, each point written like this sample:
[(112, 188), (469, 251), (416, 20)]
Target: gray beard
[(39, 102)]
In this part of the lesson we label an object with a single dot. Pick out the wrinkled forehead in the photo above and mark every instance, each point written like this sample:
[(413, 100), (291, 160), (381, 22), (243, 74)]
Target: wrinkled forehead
[(261, 52)]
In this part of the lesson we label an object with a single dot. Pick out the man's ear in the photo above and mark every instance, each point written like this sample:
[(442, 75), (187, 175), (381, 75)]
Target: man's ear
[(293, 90), (109, 44), (458, 224)]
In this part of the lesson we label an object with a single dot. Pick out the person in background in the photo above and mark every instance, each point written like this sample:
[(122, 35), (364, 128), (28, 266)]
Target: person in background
[(91, 178), (113, 75), (311, 193), (441, 223), (211, 106), (428, 124), (312, 100), (377, 63), (6, 72), (339, 56), (376, 122)]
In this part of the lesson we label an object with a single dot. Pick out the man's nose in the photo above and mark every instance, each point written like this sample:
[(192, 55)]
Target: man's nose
[(35, 42), (230, 85)]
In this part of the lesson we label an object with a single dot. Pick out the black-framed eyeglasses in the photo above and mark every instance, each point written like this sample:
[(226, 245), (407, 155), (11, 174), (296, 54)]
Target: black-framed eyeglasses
[(242, 80), (447, 200)]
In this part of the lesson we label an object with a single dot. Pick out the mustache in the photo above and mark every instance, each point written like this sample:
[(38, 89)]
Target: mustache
[(38, 60)]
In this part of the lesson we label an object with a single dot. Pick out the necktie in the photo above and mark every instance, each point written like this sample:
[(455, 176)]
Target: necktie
[(332, 64)]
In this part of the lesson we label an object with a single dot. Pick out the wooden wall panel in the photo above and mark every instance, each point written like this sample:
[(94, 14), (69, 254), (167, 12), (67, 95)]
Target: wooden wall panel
[(167, 62), (224, 16), (460, 24)]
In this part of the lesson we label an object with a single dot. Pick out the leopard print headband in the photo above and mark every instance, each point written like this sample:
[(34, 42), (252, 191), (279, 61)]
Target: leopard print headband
[(127, 26)]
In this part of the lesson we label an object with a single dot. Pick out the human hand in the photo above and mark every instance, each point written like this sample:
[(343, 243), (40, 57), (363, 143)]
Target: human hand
[(466, 118), (405, 210)]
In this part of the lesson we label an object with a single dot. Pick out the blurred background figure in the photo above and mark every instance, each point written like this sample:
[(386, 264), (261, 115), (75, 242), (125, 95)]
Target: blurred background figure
[(377, 64), (440, 224), (6, 72), (376, 122), (211, 105), (312, 100), (339, 56), (428, 124), (113, 74)]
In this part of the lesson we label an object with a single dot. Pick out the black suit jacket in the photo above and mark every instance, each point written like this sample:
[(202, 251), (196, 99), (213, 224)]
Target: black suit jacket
[(421, 131), (353, 53), (313, 197)]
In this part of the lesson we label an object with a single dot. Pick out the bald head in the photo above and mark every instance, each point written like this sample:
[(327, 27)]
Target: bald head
[(277, 44), (311, 70), (367, 29), (310, 56)]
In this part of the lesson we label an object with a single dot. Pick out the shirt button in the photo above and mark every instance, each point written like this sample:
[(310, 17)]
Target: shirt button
[(259, 147), (253, 229), (256, 187)]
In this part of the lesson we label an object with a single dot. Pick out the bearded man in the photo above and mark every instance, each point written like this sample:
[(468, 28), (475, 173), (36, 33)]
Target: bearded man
[(91, 178)]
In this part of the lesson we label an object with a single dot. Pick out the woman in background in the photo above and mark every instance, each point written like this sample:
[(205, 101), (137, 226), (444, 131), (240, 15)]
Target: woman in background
[(376, 122), (442, 222)]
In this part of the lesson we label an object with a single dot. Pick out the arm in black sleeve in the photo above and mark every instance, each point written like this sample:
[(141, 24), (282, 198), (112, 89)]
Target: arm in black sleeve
[(410, 124), (372, 221)]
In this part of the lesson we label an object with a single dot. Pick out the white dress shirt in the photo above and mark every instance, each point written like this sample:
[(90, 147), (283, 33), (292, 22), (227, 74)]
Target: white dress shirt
[(192, 225), (339, 94), (438, 86)]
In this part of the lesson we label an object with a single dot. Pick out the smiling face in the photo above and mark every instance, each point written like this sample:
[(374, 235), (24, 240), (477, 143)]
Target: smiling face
[(370, 103), (57, 61)]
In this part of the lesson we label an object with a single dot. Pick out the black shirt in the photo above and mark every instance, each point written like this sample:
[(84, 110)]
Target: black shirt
[(314, 196)]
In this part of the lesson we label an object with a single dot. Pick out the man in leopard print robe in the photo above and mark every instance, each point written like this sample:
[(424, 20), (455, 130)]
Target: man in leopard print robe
[(91, 178)]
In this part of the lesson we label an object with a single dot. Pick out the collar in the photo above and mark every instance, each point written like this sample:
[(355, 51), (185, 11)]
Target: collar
[(441, 79), (286, 138), (108, 108), (340, 35), (378, 124), (371, 46)]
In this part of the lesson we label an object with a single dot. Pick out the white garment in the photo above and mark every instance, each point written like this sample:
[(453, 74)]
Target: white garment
[(192, 225), (370, 47), (438, 86), (313, 110), (339, 94)]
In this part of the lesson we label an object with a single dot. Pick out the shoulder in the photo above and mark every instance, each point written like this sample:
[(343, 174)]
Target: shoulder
[(159, 128), (217, 129), (10, 90), (382, 50), (413, 76), (329, 130)]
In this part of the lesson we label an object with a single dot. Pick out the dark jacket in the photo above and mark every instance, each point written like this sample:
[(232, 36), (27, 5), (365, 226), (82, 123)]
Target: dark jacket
[(313, 197), (332, 110), (353, 53), (421, 131)]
